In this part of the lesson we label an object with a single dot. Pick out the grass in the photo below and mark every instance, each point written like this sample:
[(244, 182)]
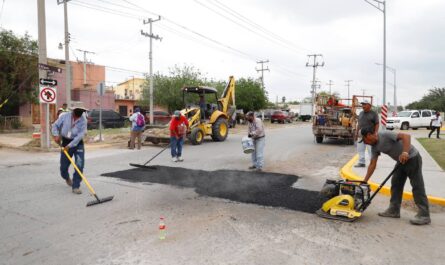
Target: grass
[(109, 131), (435, 148)]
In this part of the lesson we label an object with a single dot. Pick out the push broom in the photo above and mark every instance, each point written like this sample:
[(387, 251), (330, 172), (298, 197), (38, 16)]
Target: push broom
[(98, 200)]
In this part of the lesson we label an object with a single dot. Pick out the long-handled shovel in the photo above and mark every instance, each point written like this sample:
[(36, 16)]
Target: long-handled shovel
[(98, 200), (145, 165)]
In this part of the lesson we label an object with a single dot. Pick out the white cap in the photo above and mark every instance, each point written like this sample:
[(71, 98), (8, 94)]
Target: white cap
[(365, 101)]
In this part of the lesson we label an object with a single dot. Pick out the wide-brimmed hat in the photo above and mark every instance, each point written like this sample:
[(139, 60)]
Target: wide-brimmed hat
[(177, 113), (365, 101), (78, 105)]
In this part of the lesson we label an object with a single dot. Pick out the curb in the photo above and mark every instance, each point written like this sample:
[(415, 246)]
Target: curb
[(347, 173)]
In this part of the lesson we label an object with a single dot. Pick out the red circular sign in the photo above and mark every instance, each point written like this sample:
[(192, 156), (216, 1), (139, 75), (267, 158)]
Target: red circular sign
[(48, 95)]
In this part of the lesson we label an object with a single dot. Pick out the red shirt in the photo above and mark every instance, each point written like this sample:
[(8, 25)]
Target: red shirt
[(176, 124)]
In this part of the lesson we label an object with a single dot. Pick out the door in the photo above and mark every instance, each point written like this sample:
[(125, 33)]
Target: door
[(426, 118), (123, 110), (415, 119)]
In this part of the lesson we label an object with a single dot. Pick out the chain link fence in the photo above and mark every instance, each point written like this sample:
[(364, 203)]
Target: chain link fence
[(10, 122)]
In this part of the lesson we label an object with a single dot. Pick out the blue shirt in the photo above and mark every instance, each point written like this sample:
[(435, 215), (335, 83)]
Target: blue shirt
[(66, 127)]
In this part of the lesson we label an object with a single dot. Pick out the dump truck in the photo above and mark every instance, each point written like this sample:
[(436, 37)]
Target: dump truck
[(336, 120), (214, 120)]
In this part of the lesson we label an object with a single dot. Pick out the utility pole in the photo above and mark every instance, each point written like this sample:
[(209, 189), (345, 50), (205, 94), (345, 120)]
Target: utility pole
[(262, 69), (393, 70), (330, 85), (67, 53), (314, 65), (381, 6), (44, 107), (150, 56), (363, 90), (348, 82), (85, 66)]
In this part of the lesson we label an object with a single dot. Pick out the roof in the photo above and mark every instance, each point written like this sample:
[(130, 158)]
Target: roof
[(199, 89)]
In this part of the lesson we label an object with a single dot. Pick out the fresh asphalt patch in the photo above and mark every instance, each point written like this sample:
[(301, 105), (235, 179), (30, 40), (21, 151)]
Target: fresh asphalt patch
[(262, 188)]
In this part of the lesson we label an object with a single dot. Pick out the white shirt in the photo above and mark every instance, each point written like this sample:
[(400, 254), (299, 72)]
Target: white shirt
[(436, 121)]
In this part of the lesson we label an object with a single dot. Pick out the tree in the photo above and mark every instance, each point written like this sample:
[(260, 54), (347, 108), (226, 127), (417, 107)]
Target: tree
[(18, 75), (167, 90), (435, 100), (249, 95)]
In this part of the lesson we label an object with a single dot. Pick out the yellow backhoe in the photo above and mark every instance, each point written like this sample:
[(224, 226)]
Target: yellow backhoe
[(206, 120)]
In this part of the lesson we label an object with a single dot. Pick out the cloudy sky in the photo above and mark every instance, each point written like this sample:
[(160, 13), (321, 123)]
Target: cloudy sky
[(223, 38)]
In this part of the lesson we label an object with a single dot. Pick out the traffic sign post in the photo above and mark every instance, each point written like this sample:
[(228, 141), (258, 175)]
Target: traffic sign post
[(48, 95), (48, 82)]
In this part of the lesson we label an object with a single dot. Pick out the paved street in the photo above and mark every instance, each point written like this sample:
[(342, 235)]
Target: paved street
[(44, 223)]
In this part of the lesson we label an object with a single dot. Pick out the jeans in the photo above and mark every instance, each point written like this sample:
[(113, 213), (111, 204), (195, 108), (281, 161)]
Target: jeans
[(258, 154), (432, 131), (361, 148), (176, 146), (412, 170), (79, 155)]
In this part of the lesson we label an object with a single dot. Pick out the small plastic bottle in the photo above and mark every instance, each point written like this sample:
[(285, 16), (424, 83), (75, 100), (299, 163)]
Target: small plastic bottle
[(162, 231)]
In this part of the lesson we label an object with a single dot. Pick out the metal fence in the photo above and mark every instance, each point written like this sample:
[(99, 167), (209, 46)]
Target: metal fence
[(10, 122)]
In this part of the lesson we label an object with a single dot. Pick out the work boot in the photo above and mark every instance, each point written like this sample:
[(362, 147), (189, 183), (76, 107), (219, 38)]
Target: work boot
[(390, 212), (252, 167), (360, 165), (69, 182), (77, 191), (180, 159), (174, 159), (420, 220)]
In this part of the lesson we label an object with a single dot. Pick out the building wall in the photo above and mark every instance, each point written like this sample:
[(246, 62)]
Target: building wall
[(130, 89), (94, 75)]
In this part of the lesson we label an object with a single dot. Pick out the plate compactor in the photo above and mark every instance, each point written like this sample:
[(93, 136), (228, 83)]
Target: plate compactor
[(347, 199)]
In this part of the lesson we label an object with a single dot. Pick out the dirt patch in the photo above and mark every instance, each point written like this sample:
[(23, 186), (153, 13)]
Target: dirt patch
[(266, 189)]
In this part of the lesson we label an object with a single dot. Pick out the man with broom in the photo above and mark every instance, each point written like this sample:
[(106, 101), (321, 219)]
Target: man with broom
[(68, 131)]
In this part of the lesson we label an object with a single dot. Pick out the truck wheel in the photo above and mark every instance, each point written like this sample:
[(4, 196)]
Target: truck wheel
[(220, 130), (405, 126), (196, 136), (319, 139)]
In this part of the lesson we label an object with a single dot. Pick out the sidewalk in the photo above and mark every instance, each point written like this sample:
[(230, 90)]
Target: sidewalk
[(434, 176), (11, 140)]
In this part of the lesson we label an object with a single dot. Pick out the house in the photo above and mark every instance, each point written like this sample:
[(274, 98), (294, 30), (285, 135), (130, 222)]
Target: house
[(127, 94)]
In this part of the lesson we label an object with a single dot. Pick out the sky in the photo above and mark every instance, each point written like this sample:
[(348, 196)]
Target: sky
[(224, 38)]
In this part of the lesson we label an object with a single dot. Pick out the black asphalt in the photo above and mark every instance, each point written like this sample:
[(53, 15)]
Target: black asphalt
[(262, 188)]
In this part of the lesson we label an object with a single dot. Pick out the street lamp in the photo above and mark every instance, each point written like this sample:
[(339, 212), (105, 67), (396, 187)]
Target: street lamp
[(393, 70), (381, 5)]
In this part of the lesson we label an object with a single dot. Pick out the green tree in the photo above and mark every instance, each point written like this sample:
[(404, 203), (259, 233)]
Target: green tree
[(249, 95), (167, 88), (18, 75), (435, 99)]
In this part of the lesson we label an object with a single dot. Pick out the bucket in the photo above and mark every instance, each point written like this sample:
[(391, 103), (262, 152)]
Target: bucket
[(248, 146)]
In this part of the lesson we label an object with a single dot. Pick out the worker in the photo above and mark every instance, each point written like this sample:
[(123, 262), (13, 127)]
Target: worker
[(65, 107), (137, 126), (366, 119), (398, 147), (256, 132), (179, 126), (68, 131), (435, 124), (202, 105)]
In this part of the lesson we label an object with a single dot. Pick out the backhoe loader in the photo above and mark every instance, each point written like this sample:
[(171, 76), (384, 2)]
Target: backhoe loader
[(212, 120)]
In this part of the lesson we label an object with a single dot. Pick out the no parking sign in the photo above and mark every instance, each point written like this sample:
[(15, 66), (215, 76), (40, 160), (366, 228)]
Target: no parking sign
[(48, 95)]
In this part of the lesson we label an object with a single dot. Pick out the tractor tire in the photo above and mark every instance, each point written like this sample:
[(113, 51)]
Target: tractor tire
[(196, 136), (220, 130), (319, 139), (405, 126)]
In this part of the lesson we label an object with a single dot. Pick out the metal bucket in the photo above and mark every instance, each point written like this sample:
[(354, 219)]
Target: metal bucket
[(248, 146)]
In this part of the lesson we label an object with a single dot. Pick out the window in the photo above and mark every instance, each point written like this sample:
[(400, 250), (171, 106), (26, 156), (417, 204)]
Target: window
[(126, 92), (426, 113), (415, 115)]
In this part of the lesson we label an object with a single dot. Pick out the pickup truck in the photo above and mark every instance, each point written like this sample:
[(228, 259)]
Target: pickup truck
[(410, 119)]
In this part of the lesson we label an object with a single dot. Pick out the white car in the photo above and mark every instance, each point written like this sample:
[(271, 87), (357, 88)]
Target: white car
[(410, 119)]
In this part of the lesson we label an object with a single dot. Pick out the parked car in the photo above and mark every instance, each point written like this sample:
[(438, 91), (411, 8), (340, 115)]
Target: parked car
[(159, 117), (280, 117), (410, 119), (110, 119)]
